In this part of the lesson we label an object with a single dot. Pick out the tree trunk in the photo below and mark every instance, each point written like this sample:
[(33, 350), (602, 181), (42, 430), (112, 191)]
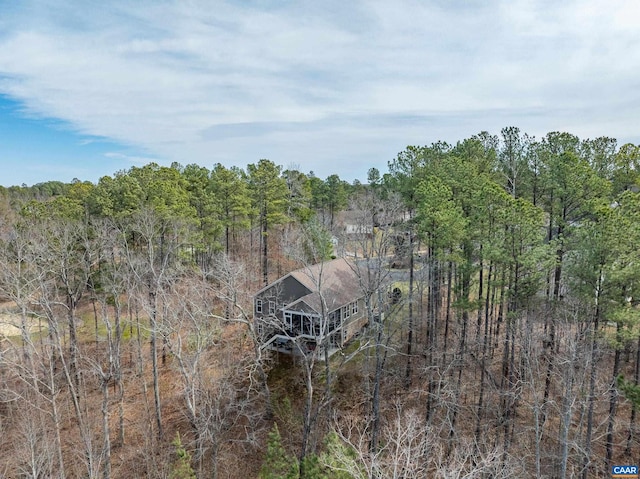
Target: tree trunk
[(480, 296), (308, 417), (55, 417), (408, 373), (613, 399), (592, 385), (634, 407), (154, 364), (483, 366), (105, 428), (447, 318), (265, 255), (73, 343), (375, 400)]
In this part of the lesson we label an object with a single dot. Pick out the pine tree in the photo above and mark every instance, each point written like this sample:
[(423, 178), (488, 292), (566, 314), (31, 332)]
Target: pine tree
[(182, 467), (277, 463), (269, 194)]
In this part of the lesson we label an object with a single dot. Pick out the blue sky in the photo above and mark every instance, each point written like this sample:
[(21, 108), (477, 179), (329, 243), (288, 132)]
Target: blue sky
[(35, 149), (88, 88)]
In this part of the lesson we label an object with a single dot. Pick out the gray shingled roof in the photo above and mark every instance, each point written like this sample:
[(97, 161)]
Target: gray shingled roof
[(335, 281)]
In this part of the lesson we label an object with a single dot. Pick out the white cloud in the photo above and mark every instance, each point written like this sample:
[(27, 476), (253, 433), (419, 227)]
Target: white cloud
[(311, 83), (139, 160)]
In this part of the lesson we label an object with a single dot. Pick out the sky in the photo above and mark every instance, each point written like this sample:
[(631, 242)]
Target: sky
[(90, 87)]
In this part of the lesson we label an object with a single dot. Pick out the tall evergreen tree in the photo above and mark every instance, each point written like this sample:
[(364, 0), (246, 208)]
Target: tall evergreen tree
[(269, 195), (231, 201)]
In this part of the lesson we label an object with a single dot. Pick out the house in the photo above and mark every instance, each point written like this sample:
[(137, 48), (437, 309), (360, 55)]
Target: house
[(355, 223), (319, 306), (358, 222)]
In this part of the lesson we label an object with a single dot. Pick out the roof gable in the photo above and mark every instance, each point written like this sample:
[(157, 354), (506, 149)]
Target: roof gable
[(301, 305), (333, 283), (286, 289)]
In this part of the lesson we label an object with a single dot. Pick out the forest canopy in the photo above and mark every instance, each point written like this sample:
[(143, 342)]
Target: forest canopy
[(510, 346)]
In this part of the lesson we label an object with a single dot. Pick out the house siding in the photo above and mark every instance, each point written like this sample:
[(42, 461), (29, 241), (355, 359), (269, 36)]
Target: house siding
[(354, 324), (280, 294), (291, 295)]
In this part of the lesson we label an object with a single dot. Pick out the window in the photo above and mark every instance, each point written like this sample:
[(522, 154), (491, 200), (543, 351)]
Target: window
[(317, 326), (333, 321), (258, 306), (272, 307), (354, 307), (307, 325), (346, 311), (288, 321)]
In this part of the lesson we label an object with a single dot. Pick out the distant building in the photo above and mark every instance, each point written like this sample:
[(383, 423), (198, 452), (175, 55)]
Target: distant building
[(313, 307), (362, 222), (354, 223)]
